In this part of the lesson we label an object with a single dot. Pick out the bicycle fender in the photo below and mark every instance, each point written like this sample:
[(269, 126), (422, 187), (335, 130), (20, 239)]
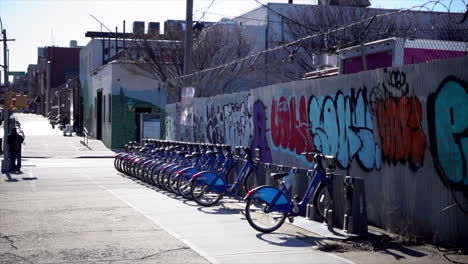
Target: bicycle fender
[(209, 178), (188, 172), (168, 167), (146, 162), (176, 168), (268, 194)]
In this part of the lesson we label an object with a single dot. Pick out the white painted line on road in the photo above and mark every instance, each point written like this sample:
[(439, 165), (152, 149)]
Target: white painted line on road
[(165, 228)]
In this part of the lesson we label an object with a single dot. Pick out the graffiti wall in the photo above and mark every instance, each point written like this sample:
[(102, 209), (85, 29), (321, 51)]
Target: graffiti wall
[(404, 130)]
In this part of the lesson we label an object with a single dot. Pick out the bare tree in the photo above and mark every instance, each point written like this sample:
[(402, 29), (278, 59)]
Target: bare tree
[(219, 48), (155, 57), (335, 28), (161, 58), (340, 27)]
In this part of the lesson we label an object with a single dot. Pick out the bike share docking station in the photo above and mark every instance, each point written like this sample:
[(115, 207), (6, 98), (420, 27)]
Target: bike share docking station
[(348, 212)]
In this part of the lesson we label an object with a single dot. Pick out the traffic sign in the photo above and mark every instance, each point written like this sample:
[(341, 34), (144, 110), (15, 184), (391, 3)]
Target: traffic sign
[(17, 73)]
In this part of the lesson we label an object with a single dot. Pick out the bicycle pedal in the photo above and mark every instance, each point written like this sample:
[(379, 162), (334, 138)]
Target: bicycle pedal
[(291, 219)]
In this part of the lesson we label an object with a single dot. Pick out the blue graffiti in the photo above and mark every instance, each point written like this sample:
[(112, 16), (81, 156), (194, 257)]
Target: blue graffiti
[(342, 126), (448, 126)]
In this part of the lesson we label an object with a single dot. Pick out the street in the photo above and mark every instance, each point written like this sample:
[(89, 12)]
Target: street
[(71, 206)]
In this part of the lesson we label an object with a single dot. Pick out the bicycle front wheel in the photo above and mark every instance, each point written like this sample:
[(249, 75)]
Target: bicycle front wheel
[(322, 201), (250, 182), (261, 218), (183, 187), (202, 194)]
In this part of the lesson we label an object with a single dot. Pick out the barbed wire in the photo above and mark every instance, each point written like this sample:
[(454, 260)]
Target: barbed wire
[(433, 3)]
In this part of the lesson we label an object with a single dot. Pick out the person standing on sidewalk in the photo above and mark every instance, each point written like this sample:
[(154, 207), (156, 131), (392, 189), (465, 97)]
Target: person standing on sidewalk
[(14, 143)]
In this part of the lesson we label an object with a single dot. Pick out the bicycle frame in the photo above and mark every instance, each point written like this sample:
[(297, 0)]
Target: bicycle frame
[(280, 199), (247, 169), (217, 182)]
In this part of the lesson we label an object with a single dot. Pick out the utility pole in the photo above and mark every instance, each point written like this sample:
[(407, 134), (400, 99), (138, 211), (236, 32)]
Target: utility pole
[(6, 114), (188, 38)]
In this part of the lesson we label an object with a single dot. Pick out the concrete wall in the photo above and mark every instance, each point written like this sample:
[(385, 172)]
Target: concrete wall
[(90, 59), (404, 130)]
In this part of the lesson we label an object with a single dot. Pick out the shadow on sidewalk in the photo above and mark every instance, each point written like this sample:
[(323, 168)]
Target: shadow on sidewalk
[(11, 179), (29, 178), (287, 240)]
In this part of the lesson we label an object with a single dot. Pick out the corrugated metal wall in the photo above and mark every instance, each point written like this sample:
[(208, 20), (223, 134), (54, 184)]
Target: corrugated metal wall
[(404, 130)]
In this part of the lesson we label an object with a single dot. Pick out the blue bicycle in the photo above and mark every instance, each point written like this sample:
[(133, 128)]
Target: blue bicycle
[(267, 206), (208, 187)]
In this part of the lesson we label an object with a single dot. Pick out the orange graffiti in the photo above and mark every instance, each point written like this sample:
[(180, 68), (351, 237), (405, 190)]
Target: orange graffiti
[(399, 121)]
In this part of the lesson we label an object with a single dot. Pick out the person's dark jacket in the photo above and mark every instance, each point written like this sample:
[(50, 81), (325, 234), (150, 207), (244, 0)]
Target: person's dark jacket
[(14, 141)]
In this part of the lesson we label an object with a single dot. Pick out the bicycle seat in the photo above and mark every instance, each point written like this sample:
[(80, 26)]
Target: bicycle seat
[(172, 148), (279, 175), (246, 149), (211, 153), (196, 154)]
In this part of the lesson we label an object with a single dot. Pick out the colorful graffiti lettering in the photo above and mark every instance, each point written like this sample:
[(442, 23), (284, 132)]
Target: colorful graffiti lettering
[(260, 130), (289, 125), (400, 131), (342, 126), (448, 130)]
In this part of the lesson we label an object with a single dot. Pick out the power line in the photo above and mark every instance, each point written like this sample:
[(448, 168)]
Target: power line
[(208, 8), (100, 22), (297, 41)]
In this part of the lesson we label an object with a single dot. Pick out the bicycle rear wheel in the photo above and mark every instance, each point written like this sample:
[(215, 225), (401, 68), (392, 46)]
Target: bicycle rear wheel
[(260, 218), (172, 184), (202, 194), (322, 201)]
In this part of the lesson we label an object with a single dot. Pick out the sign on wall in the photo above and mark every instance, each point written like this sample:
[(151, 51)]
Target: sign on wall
[(151, 124), (186, 117)]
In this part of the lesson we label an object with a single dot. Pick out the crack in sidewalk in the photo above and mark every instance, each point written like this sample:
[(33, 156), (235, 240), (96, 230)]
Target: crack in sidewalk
[(9, 240)]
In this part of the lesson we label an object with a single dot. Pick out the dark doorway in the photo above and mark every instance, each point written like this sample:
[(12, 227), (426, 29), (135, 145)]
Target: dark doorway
[(138, 111), (99, 115)]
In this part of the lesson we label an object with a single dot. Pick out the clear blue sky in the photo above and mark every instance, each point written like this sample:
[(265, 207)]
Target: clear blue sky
[(38, 23)]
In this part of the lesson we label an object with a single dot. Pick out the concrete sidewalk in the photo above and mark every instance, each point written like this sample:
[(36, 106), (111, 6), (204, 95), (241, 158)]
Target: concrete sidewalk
[(41, 141)]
